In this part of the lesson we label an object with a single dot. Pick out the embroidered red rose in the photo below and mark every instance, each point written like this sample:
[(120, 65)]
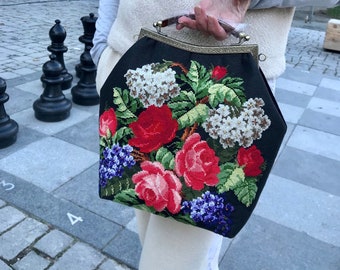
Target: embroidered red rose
[(153, 128), (158, 187), (197, 163), (107, 120), (251, 159), (218, 73)]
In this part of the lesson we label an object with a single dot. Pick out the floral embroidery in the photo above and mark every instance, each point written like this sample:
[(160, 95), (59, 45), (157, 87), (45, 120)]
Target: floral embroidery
[(157, 187), (153, 128), (251, 159), (108, 122), (197, 163), (211, 211), (218, 73), (180, 142), (240, 126), (113, 162), (152, 84)]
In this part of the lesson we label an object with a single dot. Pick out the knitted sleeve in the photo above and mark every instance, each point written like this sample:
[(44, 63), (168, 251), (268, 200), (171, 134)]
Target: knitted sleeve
[(107, 13), (258, 4)]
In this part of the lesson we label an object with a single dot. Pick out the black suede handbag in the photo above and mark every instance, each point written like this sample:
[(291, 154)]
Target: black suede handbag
[(188, 132)]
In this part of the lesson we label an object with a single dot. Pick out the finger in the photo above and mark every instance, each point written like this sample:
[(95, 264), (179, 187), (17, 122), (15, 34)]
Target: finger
[(179, 26), (215, 29), (201, 19), (186, 22)]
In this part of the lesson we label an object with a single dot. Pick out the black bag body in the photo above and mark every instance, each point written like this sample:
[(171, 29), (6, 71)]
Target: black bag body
[(189, 133)]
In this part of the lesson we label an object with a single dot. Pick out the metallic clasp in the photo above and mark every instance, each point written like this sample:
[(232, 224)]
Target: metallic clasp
[(158, 26), (242, 37)]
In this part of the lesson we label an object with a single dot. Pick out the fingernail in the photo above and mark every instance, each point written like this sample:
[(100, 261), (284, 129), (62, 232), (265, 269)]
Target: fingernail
[(198, 10)]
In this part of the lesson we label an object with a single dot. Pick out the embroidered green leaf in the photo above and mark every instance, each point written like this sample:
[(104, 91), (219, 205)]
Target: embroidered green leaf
[(219, 93), (189, 194), (162, 67), (185, 219), (165, 157), (126, 105), (198, 78), (246, 191), (182, 103), (127, 197), (225, 155), (116, 186), (226, 171), (236, 177), (106, 142), (193, 73), (132, 103), (122, 134), (103, 141), (236, 84), (198, 114), (230, 177), (144, 207)]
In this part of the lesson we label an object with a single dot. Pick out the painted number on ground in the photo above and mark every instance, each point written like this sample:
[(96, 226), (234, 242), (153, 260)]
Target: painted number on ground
[(74, 219), (7, 186)]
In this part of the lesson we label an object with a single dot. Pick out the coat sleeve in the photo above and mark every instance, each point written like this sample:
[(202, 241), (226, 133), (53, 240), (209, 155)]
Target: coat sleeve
[(107, 13), (258, 4)]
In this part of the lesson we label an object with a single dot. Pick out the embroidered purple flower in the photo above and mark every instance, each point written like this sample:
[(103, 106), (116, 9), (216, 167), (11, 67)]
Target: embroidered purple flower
[(211, 211), (113, 162)]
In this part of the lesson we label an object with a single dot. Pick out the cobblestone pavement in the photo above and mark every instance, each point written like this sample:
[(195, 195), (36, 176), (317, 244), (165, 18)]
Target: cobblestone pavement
[(29, 243), (50, 213)]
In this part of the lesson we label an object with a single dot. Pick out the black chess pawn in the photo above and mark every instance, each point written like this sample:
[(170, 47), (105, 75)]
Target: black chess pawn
[(85, 93), (8, 127), (58, 35), (52, 106), (89, 26)]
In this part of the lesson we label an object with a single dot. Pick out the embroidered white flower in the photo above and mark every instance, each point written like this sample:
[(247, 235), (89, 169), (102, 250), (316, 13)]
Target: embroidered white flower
[(237, 127), (152, 84)]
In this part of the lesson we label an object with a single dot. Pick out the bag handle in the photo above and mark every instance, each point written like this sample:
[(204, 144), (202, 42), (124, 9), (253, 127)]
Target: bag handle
[(243, 37)]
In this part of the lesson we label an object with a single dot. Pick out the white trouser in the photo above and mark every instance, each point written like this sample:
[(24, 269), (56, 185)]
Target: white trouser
[(168, 245)]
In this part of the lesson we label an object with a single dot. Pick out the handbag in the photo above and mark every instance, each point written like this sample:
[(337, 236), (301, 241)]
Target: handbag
[(188, 132)]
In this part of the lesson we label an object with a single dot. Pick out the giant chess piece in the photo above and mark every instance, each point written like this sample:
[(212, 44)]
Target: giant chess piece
[(58, 35), (52, 106), (8, 128), (89, 26), (85, 93)]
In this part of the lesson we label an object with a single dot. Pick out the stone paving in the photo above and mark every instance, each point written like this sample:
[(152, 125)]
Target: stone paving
[(50, 213)]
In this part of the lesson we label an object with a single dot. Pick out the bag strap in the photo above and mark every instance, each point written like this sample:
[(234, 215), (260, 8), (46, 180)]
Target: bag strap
[(243, 37)]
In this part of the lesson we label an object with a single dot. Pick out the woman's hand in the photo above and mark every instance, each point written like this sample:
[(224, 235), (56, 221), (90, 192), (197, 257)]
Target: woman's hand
[(208, 12)]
